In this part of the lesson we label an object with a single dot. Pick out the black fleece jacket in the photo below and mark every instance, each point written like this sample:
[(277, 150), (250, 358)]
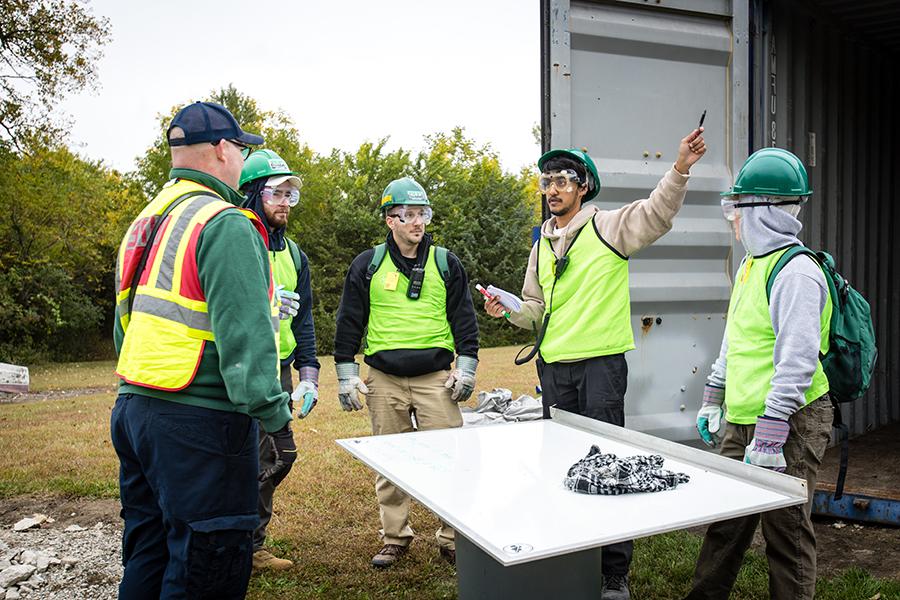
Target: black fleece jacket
[(353, 316)]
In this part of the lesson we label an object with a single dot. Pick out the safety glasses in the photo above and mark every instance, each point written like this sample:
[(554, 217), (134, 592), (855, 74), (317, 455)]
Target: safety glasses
[(560, 179), (731, 208), (276, 196), (411, 214)]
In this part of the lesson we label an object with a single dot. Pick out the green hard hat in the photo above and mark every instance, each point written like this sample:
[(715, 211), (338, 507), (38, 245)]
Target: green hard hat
[(584, 158), (771, 172), (405, 190), (266, 163)]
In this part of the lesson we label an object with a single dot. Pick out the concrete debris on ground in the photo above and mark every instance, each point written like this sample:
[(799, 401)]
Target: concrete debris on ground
[(74, 563), (32, 521), (497, 406)]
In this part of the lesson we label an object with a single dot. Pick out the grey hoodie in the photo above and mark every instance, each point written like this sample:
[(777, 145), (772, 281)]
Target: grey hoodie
[(799, 294)]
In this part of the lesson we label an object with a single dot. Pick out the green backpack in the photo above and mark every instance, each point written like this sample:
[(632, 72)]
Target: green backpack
[(850, 360)]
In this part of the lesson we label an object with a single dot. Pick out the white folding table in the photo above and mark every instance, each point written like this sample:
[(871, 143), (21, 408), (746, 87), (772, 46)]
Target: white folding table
[(520, 533)]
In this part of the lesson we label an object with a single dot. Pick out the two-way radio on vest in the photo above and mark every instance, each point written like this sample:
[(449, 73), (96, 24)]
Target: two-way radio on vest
[(559, 267)]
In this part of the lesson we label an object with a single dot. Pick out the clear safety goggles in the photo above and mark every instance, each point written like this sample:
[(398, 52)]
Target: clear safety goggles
[(411, 214), (560, 179), (731, 207), (276, 196)]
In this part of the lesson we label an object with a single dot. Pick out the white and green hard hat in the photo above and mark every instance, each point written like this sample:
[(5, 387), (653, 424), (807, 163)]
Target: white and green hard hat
[(404, 191)]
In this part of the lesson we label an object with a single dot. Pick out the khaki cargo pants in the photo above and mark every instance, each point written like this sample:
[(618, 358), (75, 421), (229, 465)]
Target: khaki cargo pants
[(390, 400), (790, 538)]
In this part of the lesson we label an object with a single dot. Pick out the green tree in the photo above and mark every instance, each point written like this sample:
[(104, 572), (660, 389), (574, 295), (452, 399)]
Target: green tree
[(47, 48), (58, 237), (483, 215)]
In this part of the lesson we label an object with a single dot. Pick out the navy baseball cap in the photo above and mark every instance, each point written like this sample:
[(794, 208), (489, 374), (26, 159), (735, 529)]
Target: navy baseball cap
[(208, 122)]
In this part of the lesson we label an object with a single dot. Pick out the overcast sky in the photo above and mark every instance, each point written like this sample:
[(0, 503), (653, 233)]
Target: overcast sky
[(344, 71)]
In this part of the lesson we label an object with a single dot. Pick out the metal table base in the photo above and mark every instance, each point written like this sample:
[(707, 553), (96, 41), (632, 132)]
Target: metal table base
[(573, 576)]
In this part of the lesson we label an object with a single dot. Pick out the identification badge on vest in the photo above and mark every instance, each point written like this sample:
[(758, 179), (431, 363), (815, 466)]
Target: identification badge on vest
[(391, 280)]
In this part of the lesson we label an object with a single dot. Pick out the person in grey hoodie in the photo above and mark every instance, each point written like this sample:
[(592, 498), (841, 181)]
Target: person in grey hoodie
[(767, 383), (578, 272)]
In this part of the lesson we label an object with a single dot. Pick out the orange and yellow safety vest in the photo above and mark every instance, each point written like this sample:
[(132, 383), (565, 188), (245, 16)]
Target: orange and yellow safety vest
[(168, 324)]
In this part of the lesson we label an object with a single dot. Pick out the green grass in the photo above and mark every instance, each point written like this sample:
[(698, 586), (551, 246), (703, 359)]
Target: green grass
[(71, 376), (326, 518)]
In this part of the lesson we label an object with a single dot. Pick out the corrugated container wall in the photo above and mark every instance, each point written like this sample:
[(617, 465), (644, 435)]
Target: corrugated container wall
[(827, 90)]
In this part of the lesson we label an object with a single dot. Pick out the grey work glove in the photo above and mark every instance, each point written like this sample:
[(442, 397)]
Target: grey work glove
[(766, 449), (285, 455), (288, 303), (350, 385), (709, 417), (462, 378), (306, 395)]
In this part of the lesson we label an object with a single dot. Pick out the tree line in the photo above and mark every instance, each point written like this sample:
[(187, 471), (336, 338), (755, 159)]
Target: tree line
[(64, 216)]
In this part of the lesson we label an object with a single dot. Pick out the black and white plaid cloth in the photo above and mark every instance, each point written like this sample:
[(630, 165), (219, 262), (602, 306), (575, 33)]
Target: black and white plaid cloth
[(606, 474)]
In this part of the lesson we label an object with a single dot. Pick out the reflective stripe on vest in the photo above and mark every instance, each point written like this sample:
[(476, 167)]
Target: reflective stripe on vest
[(591, 306), (397, 322), (285, 273), (751, 343), (169, 324)]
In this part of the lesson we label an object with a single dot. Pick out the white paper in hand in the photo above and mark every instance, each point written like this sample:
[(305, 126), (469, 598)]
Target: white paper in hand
[(509, 301)]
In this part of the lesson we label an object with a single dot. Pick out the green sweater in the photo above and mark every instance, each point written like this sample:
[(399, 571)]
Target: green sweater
[(237, 372)]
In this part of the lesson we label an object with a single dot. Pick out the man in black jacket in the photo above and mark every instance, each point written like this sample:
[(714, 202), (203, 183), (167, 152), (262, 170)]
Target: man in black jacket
[(414, 299)]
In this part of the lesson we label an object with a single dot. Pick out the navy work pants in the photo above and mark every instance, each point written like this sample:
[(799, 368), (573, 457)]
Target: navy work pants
[(595, 388), (188, 486)]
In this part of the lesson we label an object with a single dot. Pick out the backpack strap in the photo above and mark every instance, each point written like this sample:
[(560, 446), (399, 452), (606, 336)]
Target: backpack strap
[(377, 258), (791, 252), (295, 254), (440, 257)]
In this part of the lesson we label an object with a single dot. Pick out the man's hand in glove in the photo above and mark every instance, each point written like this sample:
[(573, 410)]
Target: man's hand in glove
[(766, 449), (709, 417), (305, 397), (462, 378), (285, 455), (288, 303), (350, 386)]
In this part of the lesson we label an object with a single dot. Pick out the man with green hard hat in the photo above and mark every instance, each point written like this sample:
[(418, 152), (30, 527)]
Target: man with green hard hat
[(414, 299), (768, 384), (272, 190), (576, 295)]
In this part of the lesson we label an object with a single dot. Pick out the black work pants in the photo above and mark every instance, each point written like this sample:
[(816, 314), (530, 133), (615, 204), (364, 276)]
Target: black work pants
[(267, 459), (595, 388)]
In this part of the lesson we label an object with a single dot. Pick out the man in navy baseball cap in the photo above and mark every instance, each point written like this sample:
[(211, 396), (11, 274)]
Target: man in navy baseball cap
[(201, 124)]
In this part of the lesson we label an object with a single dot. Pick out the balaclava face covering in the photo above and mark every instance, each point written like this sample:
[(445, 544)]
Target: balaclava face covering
[(254, 201), (767, 228)]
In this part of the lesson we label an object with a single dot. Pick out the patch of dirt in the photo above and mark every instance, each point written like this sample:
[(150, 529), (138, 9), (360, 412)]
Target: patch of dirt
[(873, 548), (65, 511), (53, 394)]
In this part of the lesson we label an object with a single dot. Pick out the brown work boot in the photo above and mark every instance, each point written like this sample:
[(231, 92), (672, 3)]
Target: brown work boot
[(448, 554), (387, 556), (264, 560)]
